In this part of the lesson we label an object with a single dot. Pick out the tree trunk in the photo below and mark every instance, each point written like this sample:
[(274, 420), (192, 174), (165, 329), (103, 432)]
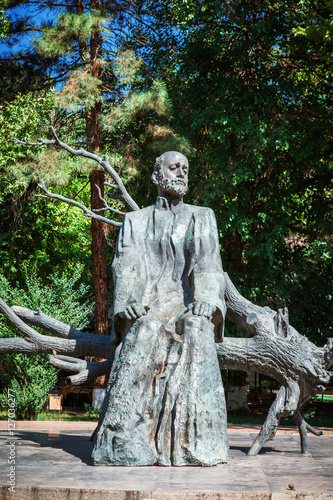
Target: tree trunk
[(97, 178), (99, 265), (99, 256)]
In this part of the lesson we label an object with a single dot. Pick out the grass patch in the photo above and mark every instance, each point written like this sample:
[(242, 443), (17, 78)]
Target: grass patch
[(65, 416), (318, 413), (324, 421)]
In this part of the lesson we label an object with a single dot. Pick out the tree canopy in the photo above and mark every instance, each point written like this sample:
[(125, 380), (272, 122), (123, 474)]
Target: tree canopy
[(251, 84)]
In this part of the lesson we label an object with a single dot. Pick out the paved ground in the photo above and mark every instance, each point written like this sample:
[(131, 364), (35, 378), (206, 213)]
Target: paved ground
[(55, 463)]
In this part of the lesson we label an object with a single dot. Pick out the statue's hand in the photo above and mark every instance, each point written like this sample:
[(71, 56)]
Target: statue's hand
[(202, 308), (134, 311)]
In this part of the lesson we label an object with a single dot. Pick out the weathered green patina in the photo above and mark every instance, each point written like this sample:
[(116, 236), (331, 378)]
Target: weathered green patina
[(165, 401)]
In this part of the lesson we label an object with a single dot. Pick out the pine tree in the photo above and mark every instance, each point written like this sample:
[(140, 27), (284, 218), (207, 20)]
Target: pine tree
[(73, 49), (80, 49)]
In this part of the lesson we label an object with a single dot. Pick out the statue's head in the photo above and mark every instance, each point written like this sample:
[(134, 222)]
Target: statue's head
[(171, 174)]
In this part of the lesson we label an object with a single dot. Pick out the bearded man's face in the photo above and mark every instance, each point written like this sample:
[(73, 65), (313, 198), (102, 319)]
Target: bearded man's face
[(173, 176), (175, 188)]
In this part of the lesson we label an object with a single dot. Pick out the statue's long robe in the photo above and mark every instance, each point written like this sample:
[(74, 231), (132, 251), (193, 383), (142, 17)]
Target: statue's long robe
[(165, 400)]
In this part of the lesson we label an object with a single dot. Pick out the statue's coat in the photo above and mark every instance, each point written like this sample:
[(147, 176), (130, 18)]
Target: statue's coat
[(165, 401)]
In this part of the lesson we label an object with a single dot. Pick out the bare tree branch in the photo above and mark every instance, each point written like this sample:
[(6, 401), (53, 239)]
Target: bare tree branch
[(85, 371), (106, 206), (114, 186), (86, 211), (47, 323), (275, 349), (103, 162), (17, 345), (75, 343), (40, 142), (91, 344), (42, 343)]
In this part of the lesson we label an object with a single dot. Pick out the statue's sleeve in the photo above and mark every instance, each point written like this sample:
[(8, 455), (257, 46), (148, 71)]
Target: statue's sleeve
[(128, 268), (208, 276)]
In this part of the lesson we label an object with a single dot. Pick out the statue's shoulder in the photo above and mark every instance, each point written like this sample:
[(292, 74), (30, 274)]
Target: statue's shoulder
[(141, 214), (203, 218), (199, 211)]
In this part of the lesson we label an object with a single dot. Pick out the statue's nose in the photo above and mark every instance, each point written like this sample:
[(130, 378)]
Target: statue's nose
[(180, 172)]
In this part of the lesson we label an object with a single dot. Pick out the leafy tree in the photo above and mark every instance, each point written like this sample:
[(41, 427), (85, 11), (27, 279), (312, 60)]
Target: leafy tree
[(4, 22), (30, 376), (30, 387), (78, 50), (250, 82), (71, 47), (34, 232)]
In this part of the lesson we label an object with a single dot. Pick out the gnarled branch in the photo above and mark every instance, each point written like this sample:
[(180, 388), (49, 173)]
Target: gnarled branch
[(106, 206), (103, 162), (71, 342), (276, 349), (84, 371)]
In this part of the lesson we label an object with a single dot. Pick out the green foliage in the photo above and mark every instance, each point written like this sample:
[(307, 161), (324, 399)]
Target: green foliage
[(155, 100), (34, 231), (91, 411), (39, 232), (309, 413), (4, 22), (29, 387), (318, 29), (67, 49), (80, 89), (62, 297), (69, 30), (127, 67), (24, 118), (250, 86)]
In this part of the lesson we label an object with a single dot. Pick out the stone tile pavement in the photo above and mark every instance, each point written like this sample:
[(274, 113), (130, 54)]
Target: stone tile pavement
[(55, 463)]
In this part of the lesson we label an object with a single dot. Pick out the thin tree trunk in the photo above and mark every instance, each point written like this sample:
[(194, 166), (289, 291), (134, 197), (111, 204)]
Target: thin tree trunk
[(99, 266), (97, 178), (99, 256)]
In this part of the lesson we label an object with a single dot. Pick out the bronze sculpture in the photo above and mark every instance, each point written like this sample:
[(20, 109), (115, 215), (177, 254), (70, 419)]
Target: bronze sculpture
[(165, 402)]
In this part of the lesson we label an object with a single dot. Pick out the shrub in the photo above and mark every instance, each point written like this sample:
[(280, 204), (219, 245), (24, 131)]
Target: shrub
[(31, 377), (30, 387)]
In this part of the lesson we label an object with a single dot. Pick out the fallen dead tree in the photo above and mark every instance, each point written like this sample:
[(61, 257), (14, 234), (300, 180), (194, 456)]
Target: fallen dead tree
[(274, 348)]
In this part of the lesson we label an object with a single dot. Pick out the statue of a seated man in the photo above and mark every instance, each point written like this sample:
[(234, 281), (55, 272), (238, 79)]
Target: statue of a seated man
[(165, 401)]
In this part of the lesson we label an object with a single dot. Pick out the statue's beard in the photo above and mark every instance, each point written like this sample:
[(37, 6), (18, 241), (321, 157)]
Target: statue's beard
[(173, 187)]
